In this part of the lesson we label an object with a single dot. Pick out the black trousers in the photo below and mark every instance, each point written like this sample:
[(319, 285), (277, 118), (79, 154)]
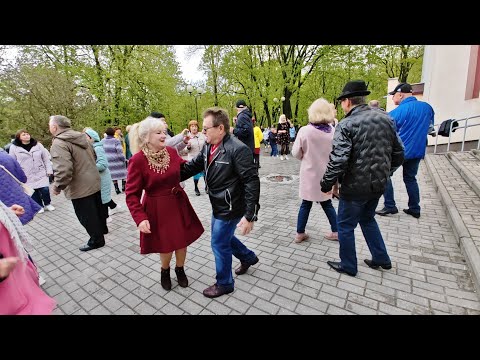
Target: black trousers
[(90, 213), (257, 159)]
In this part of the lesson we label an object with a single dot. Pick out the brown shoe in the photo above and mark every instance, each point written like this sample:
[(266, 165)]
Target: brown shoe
[(165, 280), (181, 277), (332, 236), (242, 269), (300, 237), (216, 291)]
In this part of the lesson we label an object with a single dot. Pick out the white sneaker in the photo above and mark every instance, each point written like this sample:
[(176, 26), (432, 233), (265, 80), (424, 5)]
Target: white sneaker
[(286, 157), (281, 157), (41, 280), (115, 210), (41, 211), (50, 207)]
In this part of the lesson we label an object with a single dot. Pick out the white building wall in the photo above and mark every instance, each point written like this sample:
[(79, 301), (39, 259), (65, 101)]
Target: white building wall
[(445, 70)]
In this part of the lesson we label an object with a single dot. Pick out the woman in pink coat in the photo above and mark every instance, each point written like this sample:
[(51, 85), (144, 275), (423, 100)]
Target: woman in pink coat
[(20, 293), (313, 146)]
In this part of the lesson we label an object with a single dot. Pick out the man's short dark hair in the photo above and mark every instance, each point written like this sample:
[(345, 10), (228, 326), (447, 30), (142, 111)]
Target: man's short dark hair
[(157, 114), (110, 131), (220, 117)]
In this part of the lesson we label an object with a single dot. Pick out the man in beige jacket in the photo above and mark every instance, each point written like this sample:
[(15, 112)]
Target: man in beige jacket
[(76, 173)]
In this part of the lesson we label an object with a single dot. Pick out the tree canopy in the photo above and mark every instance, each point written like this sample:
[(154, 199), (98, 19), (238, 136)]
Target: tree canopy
[(116, 85)]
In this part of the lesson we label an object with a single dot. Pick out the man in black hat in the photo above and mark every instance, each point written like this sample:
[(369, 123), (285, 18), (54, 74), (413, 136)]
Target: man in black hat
[(413, 119), (365, 148), (244, 127)]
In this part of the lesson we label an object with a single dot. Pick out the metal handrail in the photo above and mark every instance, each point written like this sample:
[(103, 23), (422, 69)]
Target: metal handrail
[(437, 126)]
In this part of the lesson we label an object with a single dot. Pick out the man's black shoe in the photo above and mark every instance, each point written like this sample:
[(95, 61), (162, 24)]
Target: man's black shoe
[(386, 211), (88, 247), (338, 267), (410, 212), (374, 265), (197, 192)]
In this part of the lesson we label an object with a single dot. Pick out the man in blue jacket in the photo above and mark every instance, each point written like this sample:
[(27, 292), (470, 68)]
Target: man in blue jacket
[(412, 120)]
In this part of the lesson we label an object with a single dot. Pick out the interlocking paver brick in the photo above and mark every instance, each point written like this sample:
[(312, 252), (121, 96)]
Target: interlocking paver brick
[(429, 273)]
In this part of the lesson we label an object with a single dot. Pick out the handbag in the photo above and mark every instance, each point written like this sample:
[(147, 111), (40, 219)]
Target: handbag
[(26, 189)]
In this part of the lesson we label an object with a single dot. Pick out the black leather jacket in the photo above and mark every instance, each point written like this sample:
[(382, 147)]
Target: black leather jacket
[(231, 178), (366, 148)]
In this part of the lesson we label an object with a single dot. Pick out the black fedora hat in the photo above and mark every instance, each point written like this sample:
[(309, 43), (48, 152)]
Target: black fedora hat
[(354, 88)]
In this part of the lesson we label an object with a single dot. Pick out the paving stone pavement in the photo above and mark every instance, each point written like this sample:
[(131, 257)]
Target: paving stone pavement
[(429, 274)]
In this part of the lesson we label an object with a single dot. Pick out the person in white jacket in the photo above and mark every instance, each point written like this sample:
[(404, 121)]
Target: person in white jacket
[(35, 162)]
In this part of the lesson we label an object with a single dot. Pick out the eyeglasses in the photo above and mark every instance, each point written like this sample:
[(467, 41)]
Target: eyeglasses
[(211, 127)]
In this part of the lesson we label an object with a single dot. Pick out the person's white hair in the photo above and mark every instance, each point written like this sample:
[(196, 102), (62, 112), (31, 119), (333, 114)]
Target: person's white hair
[(282, 119), (321, 112), (139, 132)]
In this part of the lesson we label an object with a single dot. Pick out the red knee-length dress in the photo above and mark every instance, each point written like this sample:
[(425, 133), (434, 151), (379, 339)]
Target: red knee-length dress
[(173, 221)]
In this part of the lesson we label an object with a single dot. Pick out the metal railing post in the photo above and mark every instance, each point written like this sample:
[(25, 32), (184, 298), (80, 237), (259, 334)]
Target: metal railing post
[(449, 136), (464, 133)]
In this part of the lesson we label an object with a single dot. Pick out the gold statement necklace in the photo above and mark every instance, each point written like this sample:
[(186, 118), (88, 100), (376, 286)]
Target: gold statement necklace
[(157, 161)]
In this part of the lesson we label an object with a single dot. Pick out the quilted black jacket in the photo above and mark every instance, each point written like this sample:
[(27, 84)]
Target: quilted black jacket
[(366, 148)]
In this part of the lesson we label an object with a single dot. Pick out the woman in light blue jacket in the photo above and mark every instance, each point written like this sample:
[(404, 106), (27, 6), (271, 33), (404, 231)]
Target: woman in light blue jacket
[(105, 177)]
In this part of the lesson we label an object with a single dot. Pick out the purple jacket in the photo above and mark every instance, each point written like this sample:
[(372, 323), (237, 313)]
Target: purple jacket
[(11, 192)]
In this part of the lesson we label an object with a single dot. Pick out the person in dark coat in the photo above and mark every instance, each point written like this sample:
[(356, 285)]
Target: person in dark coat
[(243, 129), (234, 190), (366, 148)]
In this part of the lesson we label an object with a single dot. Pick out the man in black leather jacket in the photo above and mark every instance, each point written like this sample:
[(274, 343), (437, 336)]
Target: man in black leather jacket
[(365, 149), (234, 191)]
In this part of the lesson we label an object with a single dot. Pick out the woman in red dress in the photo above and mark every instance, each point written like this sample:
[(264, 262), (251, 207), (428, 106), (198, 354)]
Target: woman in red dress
[(165, 217)]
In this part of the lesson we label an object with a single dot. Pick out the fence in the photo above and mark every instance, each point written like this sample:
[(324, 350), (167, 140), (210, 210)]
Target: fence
[(465, 127)]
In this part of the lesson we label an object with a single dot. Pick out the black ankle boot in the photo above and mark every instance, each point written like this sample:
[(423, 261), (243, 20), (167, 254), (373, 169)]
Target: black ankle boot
[(123, 185), (181, 277), (117, 190), (165, 280), (197, 192)]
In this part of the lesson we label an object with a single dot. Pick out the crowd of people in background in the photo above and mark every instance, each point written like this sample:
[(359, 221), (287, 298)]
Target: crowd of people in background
[(150, 165)]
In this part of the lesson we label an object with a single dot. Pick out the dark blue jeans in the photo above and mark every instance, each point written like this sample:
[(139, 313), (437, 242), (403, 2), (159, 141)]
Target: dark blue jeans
[(410, 169), (42, 194), (224, 245), (351, 213), (304, 212), (274, 150)]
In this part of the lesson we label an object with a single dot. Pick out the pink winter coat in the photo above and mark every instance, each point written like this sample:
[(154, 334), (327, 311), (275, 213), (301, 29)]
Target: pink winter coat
[(312, 147), (20, 293)]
